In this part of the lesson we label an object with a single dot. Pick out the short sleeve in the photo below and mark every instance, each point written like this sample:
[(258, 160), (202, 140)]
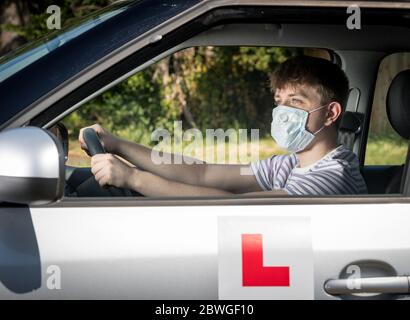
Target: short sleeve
[(263, 171), (332, 180)]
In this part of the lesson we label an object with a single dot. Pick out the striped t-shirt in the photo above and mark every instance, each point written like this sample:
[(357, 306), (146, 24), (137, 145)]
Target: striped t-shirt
[(336, 173)]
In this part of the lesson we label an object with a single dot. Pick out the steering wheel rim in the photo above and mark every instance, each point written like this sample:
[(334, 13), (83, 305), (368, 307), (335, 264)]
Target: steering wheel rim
[(93, 142)]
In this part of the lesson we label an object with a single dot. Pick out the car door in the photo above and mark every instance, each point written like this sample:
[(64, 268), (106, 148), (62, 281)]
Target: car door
[(169, 249), (210, 248)]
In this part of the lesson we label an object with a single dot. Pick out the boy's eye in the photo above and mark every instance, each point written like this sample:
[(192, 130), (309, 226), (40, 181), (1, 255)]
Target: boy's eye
[(297, 101)]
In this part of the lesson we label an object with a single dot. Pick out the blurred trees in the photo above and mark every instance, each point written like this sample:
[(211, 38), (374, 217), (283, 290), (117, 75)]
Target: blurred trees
[(205, 87), (12, 14)]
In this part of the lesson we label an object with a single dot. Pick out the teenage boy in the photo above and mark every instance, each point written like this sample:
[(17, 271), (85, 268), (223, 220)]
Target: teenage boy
[(309, 96)]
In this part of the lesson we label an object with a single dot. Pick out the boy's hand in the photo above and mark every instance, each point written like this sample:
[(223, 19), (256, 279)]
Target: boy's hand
[(110, 170), (107, 139)]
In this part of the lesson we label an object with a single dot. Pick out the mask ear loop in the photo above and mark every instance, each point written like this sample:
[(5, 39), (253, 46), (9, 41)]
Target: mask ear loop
[(315, 133), (318, 108)]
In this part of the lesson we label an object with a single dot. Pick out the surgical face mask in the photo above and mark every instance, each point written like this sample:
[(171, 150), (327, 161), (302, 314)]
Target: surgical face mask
[(288, 127)]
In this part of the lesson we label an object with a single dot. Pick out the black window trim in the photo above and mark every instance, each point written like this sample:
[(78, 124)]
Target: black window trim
[(406, 174)]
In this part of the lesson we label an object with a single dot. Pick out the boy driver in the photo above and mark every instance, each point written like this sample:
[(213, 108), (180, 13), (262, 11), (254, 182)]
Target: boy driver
[(310, 95)]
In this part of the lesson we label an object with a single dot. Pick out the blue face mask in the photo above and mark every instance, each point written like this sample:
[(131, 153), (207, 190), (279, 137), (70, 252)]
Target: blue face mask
[(288, 127)]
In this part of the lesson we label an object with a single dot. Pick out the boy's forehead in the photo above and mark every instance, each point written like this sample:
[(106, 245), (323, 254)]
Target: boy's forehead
[(305, 91)]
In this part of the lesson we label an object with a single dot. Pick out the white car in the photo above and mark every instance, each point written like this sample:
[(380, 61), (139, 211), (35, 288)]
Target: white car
[(62, 239)]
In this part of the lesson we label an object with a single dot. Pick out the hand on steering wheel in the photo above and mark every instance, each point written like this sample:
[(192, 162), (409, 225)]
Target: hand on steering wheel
[(92, 141), (94, 147)]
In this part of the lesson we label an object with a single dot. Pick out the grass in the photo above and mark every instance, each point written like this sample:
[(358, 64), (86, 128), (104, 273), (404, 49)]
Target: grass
[(380, 151), (386, 150), (76, 156)]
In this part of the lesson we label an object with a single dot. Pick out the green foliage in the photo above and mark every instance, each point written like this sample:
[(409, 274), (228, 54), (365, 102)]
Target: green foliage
[(132, 109), (386, 149), (234, 90), (221, 87)]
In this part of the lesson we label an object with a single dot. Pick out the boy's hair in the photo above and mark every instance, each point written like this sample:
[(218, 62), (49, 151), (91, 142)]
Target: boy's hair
[(326, 77)]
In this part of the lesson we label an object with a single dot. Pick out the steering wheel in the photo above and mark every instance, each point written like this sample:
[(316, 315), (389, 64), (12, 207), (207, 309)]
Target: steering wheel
[(94, 147), (92, 141)]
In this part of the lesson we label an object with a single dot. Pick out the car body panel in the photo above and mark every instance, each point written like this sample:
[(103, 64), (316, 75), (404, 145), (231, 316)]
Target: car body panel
[(172, 252)]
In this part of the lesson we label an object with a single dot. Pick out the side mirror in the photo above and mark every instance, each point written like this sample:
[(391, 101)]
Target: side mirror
[(31, 166)]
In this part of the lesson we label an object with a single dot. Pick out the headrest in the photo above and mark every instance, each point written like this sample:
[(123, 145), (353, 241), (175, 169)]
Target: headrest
[(351, 122), (398, 104)]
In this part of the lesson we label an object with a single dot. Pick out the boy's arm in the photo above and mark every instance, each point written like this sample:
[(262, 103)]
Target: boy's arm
[(229, 177), (150, 184), (108, 169)]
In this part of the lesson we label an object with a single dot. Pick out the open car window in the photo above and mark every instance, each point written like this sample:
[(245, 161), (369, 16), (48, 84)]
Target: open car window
[(202, 88), (386, 146), (197, 91)]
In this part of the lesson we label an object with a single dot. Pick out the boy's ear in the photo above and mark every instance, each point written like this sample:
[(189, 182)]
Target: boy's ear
[(334, 113)]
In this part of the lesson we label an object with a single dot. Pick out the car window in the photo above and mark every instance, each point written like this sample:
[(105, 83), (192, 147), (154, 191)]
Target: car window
[(213, 104), (199, 88), (385, 146)]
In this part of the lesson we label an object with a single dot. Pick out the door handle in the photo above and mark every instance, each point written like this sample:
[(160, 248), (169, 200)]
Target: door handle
[(392, 285)]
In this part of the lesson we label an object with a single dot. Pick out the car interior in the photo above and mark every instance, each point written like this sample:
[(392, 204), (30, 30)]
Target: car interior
[(358, 52), (390, 179)]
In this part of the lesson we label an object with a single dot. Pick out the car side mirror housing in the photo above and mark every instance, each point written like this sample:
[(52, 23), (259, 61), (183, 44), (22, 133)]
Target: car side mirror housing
[(61, 133), (31, 166)]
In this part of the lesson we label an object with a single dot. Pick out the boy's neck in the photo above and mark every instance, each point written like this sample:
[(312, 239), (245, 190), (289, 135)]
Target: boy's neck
[(317, 151)]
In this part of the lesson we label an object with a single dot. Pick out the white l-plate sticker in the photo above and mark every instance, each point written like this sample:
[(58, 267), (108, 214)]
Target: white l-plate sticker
[(265, 258)]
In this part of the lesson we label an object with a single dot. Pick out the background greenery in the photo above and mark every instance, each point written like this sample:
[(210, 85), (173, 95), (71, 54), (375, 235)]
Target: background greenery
[(205, 87)]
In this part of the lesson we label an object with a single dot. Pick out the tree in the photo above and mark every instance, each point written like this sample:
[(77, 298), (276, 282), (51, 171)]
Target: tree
[(12, 13)]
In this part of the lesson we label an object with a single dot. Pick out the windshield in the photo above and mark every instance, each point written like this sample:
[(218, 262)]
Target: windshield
[(22, 57)]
